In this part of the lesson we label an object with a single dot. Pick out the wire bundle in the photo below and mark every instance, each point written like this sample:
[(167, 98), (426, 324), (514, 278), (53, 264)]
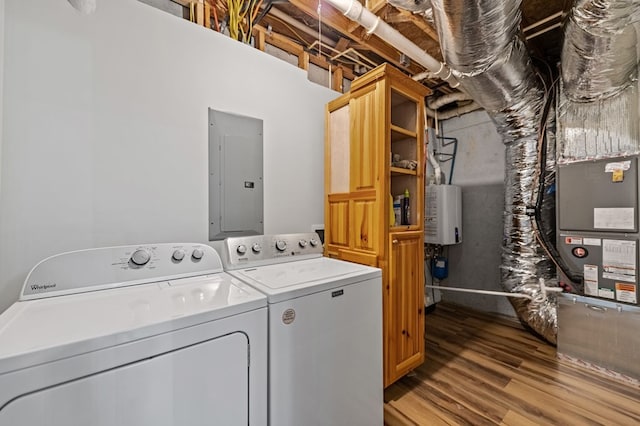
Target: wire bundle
[(242, 14)]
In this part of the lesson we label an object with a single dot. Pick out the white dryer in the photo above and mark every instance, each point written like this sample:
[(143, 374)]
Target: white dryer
[(137, 335), (325, 330)]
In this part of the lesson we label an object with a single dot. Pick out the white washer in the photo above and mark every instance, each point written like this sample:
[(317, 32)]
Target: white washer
[(325, 330), (136, 335)]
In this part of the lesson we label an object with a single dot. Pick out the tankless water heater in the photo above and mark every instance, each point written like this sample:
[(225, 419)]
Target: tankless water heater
[(443, 215)]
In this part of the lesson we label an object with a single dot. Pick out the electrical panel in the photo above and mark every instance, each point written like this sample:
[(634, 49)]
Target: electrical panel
[(235, 176), (597, 227), (443, 215)]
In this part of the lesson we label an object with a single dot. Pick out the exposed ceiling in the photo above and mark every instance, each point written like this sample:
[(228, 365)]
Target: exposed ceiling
[(541, 28), (347, 45)]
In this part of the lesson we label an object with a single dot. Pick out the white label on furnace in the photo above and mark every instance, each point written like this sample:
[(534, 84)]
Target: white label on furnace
[(592, 242), (614, 218), (626, 293), (591, 280), (590, 288), (620, 165), (591, 273), (606, 293), (573, 240), (619, 260)]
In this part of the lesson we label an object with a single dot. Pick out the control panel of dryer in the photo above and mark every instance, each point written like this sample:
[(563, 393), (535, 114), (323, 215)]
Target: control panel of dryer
[(110, 267), (257, 250)]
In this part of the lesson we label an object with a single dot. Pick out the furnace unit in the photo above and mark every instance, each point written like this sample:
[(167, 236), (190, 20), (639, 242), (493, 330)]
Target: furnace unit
[(597, 228)]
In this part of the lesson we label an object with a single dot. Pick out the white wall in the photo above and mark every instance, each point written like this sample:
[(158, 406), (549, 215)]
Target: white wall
[(105, 136), (480, 157), (1, 82), (479, 170)]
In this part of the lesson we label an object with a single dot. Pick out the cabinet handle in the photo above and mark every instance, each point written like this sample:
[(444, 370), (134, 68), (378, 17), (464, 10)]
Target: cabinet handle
[(394, 241)]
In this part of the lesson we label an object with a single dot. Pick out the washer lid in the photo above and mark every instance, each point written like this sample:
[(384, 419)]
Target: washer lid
[(42, 330), (294, 279)]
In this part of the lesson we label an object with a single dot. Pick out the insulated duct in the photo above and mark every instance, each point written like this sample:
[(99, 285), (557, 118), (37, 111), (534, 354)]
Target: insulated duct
[(599, 54), (480, 42), (598, 109)]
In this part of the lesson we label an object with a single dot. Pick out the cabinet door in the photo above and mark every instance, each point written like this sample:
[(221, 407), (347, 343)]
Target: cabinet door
[(404, 305), (367, 137)]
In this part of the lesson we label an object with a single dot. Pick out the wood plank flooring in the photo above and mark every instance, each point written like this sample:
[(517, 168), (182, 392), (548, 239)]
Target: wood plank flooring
[(487, 370)]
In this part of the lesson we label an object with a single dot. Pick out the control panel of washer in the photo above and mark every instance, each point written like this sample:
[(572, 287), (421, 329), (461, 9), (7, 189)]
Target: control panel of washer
[(109, 267), (261, 249)]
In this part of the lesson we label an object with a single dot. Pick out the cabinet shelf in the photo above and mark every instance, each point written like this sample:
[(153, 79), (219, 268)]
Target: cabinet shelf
[(399, 133), (401, 228), (400, 171)]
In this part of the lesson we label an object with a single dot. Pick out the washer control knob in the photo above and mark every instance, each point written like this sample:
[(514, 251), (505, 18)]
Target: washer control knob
[(178, 255), (242, 249), (302, 243), (313, 242), (140, 257), (197, 254), (256, 248), (281, 245)]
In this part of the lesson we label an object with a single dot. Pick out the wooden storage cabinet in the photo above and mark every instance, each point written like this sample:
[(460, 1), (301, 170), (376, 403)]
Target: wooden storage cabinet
[(405, 315), (380, 116)]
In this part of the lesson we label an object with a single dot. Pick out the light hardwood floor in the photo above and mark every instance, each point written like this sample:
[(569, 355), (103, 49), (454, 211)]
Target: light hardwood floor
[(487, 370)]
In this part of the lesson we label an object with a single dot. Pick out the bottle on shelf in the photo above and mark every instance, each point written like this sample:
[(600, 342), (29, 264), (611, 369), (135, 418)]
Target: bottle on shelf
[(405, 213), (397, 210)]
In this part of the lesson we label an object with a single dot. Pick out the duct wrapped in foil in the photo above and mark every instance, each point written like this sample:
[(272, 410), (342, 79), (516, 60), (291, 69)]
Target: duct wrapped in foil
[(476, 35), (481, 43), (601, 129), (540, 314), (599, 54)]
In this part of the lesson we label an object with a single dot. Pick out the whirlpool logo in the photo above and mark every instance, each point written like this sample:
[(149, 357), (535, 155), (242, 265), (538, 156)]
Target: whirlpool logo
[(42, 287)]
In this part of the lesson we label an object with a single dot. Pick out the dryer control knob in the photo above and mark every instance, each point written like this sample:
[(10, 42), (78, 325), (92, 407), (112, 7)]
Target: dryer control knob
[(313, 242), (178, 255), (302, 243), (140, 257), (197, 254), (256, 248), (242, 249), (281, 245)]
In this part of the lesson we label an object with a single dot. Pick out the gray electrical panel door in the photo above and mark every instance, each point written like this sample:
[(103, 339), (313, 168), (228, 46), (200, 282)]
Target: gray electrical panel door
[(235, 175), (598, 195)]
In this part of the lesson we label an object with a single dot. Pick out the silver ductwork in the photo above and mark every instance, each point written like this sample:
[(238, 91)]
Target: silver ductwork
[(481, 44), (598, 108), (599, 54)]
